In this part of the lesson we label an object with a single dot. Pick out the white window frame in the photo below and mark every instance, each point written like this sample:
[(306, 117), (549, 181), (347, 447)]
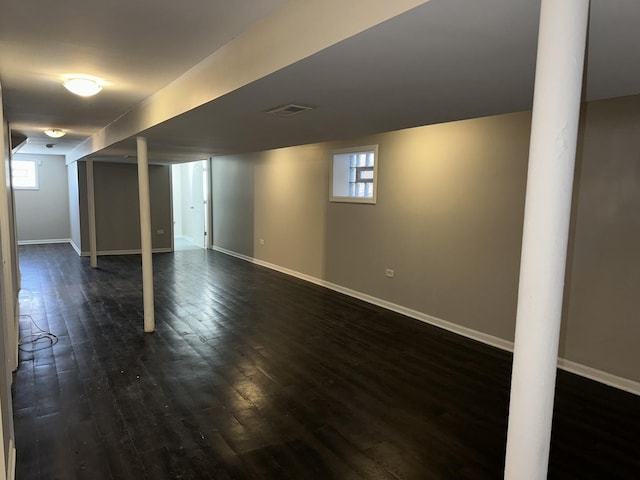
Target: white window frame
[(340, 175), (36, 177)]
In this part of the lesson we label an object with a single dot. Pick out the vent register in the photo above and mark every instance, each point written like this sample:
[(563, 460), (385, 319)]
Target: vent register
[(289, 110)]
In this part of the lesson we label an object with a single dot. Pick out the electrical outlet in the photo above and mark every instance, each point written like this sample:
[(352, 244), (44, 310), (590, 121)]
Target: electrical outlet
[(389, 273), (262, 241)]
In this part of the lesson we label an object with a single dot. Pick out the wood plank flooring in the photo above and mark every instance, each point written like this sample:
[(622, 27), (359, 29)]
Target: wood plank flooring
[(252, 374)]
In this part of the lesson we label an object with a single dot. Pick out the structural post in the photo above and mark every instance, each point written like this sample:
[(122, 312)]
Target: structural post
[(11, 325), (556, 109), (145, 235), (92, 214)]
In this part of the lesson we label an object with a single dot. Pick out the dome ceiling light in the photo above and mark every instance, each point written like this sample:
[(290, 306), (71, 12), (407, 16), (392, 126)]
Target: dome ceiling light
[(83, 85), (55, 133)]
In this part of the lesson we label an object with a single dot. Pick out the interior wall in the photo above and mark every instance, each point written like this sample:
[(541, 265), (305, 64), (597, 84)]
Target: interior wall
[(290, 208), (448, 221), (176, 196), (185, 212), (160, 193), (43, 214), (117, 207), (191, 210), (233, 203), (74, 205), (602, 302), (8, 296)]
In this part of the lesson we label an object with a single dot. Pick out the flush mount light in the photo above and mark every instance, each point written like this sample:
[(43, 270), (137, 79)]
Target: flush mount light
[(83, 85), (55, 133)]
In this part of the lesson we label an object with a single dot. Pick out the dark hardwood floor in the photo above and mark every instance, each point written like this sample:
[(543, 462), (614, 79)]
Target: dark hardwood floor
[(252, 374)]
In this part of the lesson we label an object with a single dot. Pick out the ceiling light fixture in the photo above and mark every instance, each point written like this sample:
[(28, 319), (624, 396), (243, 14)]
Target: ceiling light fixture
[(83, 85), (55, 133)]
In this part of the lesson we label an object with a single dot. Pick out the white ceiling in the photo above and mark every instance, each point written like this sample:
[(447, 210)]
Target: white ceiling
[(138, 46), (440, 61)]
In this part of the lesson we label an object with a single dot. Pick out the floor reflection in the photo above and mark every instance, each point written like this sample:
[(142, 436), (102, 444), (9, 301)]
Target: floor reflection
[(252, 374)]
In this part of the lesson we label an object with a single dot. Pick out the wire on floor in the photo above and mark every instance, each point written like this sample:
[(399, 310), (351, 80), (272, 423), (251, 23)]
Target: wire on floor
[(38, 341)]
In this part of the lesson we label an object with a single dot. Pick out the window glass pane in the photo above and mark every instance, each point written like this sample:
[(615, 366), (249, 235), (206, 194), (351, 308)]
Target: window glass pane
[(24, 174), (366, 174), (370, 159), (20, 173), (353, 175)]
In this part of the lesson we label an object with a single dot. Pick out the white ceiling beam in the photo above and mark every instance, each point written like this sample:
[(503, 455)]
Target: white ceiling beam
[(293, 32)]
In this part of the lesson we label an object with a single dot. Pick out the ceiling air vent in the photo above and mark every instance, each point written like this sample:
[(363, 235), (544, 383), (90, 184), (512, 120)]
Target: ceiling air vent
[(288, 110)]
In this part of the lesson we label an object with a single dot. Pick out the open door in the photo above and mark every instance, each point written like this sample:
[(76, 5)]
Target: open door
[(190, 191)]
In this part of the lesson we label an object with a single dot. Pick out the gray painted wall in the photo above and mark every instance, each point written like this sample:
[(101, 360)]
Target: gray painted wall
[(117, 212), (449, 222), (290, 208), (82, 206), (160, 192), (602, 323), (43, 214), (233, 203)]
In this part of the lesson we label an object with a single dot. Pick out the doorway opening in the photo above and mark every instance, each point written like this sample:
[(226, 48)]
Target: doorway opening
[(190, 192)]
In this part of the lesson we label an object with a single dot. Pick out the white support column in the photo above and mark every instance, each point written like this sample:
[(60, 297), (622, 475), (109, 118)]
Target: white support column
[(145, 235), (11, 324), (92, 214), (10, 328), (556, 108)]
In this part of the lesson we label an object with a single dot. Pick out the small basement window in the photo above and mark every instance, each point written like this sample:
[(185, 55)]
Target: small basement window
[(24, 174), (354, 175)]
